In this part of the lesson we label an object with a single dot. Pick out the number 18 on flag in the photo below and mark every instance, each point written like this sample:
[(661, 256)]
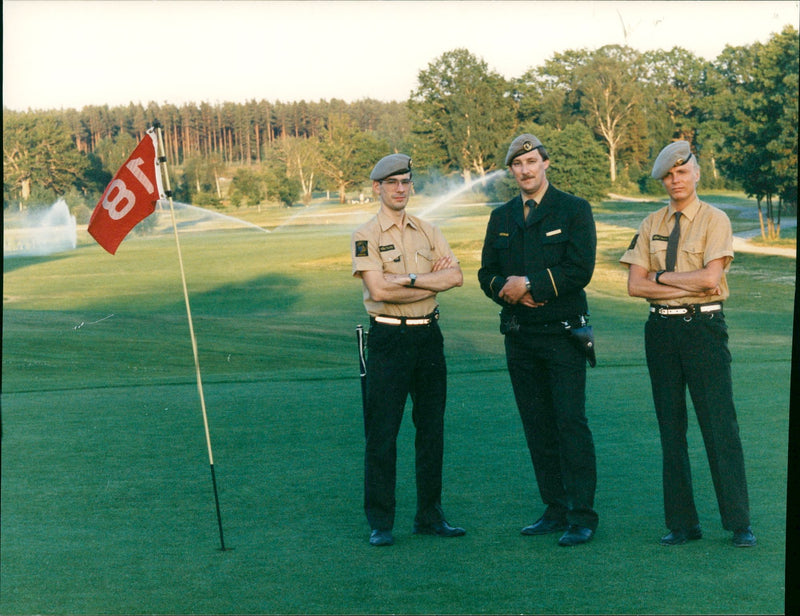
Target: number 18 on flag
[(130, 197)]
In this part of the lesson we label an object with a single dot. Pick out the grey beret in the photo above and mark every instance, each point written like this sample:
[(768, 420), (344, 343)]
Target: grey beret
[(394, 164), (524, 143), (675, 154)]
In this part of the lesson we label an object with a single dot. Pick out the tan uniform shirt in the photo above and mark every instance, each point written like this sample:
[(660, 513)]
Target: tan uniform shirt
[(706, 235), (380, 245)]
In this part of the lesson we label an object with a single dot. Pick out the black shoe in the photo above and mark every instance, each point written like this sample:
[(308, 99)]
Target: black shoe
[(381, 537), (544, 526), (576, 535), (441, 529), (680, 536), (744, 538)]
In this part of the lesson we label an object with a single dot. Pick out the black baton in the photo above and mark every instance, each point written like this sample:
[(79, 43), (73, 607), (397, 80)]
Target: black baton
[(361, 338)]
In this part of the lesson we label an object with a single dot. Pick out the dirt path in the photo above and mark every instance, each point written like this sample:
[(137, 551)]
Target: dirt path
[(743, 244)]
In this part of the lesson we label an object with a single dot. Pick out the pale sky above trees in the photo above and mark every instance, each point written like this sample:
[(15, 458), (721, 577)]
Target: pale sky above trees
[(68, 54)]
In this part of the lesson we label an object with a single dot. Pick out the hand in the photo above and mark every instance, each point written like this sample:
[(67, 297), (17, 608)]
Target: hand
[(515, 291), (442, 263), (527, 300)]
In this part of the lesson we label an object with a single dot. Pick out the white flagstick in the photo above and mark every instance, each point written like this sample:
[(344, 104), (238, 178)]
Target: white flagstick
[(162, 163)]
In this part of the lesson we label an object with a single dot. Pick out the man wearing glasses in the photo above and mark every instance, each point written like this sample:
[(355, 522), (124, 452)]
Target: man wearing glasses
[(403, 262)]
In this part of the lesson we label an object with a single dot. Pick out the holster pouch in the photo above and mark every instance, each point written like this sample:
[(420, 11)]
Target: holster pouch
[(508, 324), (583, 336)]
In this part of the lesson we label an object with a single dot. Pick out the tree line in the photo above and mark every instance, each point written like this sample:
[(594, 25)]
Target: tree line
[(603, 114)]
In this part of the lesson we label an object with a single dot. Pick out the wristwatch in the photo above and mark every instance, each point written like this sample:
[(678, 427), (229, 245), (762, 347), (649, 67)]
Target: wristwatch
[(658, 275), (413, 279), (527, 283)]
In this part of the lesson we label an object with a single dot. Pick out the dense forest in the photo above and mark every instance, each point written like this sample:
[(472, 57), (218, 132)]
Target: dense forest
[(603, 115)]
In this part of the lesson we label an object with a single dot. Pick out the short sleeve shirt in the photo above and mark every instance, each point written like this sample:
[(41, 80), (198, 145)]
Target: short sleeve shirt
[(706, 235), (383, 246)]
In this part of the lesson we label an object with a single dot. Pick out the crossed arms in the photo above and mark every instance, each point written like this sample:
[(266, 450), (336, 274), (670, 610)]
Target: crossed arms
[(393, 288), (674, 285)]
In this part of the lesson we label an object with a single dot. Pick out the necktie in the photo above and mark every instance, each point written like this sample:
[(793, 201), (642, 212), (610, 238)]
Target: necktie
[(672, 243), (531, 205)]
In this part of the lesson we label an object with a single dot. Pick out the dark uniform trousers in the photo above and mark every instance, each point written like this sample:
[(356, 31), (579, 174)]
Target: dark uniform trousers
[(548, 375), (404, 360), (694, 352)]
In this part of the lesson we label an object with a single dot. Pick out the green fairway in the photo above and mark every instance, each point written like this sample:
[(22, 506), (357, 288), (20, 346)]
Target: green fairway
[(107, 501)]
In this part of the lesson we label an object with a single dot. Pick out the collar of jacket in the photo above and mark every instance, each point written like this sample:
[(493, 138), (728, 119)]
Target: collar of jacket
[(538, 214)]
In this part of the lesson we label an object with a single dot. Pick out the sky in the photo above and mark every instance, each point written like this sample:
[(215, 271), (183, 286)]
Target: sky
[(64, 54)]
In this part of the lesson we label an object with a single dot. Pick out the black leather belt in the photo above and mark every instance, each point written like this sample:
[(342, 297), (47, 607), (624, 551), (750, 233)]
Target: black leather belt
[(410, 321), (686, 310)]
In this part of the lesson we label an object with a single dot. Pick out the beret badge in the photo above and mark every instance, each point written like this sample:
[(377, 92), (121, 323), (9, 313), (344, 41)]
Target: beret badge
[(522, 143)]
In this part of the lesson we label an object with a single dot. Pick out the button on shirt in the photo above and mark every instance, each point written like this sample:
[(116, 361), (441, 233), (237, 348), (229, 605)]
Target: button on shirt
[(380, 245), (706, 235)]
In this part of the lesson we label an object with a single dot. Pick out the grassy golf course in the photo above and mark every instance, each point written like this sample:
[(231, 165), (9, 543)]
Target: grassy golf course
[(107, 500)]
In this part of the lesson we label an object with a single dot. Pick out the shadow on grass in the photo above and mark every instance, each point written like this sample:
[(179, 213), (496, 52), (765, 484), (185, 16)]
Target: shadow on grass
[(12, 263), (124, 338), (273, 293)]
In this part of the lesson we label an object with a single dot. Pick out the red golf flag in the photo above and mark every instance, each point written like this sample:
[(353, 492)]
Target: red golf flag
[(130, 197)]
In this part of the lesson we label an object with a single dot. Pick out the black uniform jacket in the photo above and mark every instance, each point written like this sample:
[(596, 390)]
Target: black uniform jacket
[(556, 251)]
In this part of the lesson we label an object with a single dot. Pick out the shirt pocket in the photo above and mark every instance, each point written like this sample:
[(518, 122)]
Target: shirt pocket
[(501, 243), (554, 246), (424, 259), (393, 261), (658, 254), (693, 252)]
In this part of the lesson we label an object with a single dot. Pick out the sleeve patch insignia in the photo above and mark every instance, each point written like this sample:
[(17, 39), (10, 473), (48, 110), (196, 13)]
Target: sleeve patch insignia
[(633, 242), (362, 249)]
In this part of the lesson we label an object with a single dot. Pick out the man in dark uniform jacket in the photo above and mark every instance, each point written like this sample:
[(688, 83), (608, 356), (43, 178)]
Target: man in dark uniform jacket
[(403, 262), (538, 255)]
